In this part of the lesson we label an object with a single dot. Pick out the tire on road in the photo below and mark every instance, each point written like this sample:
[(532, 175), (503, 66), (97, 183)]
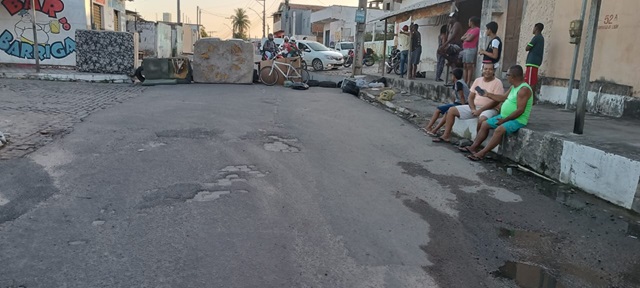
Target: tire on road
[(139, 75)]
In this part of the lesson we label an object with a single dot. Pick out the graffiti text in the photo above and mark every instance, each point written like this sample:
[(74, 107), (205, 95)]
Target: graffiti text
[(49, 7), (24, 50)]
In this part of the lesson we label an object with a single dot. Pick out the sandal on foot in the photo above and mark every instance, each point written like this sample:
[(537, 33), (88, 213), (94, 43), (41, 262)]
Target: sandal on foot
[(465, 150), (440, 140), (474, 158), (432, 134)]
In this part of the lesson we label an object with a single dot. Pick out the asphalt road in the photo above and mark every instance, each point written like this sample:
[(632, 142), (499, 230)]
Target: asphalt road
[(254, 186)]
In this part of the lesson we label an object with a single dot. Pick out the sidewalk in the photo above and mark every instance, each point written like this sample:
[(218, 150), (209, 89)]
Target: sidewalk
[(58, 74), (605, 161), (34, 113)]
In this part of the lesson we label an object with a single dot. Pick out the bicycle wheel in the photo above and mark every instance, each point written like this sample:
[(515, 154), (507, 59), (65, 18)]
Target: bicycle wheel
[(305, 75), (268, 77)]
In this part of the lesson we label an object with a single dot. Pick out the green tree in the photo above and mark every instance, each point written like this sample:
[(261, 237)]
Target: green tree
[(240, 23), (203, 33)]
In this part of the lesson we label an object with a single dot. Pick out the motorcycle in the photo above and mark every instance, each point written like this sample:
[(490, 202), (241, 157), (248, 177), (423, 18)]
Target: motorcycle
[(368, 58), (393, 62)]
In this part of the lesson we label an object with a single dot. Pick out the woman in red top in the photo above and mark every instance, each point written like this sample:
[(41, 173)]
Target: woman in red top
[(470, 49)]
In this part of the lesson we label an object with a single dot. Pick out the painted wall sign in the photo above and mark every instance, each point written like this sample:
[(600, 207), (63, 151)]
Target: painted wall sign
[(101, 2), (56, 21), (609, 22)]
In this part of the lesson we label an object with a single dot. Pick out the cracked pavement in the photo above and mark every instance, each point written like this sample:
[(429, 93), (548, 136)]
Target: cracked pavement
[(200, 186)]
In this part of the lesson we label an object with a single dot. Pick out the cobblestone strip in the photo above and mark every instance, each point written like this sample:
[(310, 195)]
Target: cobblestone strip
[(35, 113)]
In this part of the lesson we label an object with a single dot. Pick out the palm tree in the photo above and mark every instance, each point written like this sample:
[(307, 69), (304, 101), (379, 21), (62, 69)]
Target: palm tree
[(241, 23)]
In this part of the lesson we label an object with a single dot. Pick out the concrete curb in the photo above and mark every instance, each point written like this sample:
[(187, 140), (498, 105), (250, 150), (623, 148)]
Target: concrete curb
[(70, 77), (608, 176)]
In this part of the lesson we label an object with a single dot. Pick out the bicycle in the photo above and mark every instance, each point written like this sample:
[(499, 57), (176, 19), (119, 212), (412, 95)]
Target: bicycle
[(269, 76)]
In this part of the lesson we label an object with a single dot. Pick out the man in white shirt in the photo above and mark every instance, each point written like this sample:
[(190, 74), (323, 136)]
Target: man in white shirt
[(403, 46)]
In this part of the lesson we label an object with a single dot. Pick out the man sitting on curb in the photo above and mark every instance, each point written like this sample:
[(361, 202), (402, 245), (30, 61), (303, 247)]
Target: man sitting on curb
[(514, 114), (479, 106), (461, 94)]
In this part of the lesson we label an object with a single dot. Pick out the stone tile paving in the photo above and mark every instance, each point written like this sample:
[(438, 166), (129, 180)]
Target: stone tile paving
[(34, 113)]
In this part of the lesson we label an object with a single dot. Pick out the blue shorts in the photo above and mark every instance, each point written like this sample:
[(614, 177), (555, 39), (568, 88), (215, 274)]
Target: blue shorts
[(512, 126), (444, 108)]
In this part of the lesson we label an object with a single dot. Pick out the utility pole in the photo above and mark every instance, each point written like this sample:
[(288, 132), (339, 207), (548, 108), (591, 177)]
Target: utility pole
[(589, 48), (264, 17), (574, 65), (198, 21), (179, 12), (286, 18), (36, 47), (361, 27)]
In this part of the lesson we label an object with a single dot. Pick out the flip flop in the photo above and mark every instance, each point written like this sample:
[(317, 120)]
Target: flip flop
[(465, 150), (474, 158), (432, 134), (440, 140)]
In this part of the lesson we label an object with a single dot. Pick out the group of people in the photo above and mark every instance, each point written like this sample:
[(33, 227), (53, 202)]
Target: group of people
[(289, 48), (505, 111), (410, 38)]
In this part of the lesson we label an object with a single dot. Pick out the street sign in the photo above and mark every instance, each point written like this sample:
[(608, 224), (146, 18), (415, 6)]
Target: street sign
[(361, 16)]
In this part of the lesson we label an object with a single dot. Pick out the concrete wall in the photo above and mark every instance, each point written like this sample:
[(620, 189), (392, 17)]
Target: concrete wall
[(163, 40), (148, 36), (177, 37), (614, 58), (190, 37), (106, 52), (344, 29), (55, 26)]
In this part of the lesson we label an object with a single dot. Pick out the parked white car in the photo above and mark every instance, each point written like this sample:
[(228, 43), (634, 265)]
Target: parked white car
[(319, 56), (344, 47)]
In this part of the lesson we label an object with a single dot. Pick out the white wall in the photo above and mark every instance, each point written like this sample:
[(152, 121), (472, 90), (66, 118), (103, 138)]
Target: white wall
[(163, 42), (55, 27), (148, 36), (190, 37)]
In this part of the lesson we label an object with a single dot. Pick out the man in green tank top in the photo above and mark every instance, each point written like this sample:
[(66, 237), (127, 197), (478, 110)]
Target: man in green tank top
[(514, 114)]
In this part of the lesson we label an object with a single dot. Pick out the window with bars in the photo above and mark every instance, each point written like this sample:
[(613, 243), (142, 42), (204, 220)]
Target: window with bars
[(116, 20), (97, 17)]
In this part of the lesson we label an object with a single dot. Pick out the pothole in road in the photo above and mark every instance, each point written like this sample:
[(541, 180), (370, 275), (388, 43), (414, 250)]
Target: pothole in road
[(519, 234), (196, 133), (228, 181), (527, 276), (278, 144), (204, 196)]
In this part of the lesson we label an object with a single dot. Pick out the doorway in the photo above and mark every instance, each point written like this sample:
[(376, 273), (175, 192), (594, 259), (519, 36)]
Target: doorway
[(512, 34), (326, 38)]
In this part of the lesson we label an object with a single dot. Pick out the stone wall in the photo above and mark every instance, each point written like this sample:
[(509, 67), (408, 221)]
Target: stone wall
[(105, 52), (217, 61)]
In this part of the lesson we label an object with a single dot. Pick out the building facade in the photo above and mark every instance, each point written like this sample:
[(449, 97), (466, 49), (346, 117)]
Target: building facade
[(614, 65), (338, 23), (56, 24), (296, 20)]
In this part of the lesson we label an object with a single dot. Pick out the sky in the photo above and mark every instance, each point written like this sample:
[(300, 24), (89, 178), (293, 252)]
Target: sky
[(215, 12)]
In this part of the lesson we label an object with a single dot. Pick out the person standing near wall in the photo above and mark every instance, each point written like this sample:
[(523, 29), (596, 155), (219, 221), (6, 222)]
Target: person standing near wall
[(440, 54), (416, 51), (534, 57), (453, 46), (470, 48), (494, 50), (403, 46)]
